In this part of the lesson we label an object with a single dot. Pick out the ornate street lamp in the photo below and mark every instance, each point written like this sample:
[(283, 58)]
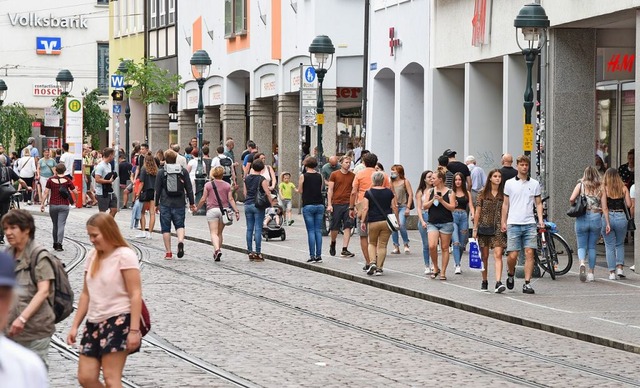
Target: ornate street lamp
[(123, 68), (200, 63), (533, 22), (3, 91), (321, 56), (64, 80)]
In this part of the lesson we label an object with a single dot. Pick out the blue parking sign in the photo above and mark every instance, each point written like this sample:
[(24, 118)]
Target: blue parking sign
[(117, 109)]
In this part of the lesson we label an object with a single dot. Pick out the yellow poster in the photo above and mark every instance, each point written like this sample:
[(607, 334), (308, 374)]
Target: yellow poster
[(527, 137)]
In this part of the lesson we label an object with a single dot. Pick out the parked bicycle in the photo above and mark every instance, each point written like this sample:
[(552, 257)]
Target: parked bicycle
[(553, 254), (15, 200)]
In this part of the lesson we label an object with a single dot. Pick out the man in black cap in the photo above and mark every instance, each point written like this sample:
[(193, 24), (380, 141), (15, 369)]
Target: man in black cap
[(19, 367), (455, 166)]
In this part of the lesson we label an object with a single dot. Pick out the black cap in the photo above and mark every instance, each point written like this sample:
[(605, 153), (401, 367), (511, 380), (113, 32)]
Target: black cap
[(448, 153)]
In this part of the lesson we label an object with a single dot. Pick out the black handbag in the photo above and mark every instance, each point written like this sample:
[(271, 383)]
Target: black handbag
[(631, 225), (6, 188), (261, 202), (579, 207)]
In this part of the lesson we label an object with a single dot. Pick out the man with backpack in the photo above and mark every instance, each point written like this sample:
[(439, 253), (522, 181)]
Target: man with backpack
[(172, 183), (41, 276), (222, 160)]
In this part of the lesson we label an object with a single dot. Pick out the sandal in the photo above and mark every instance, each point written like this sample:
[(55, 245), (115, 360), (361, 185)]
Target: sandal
[(443, 277), (435, 274)]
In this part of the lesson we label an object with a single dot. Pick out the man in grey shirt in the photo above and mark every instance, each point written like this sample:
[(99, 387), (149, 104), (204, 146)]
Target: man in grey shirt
[(107, 199)]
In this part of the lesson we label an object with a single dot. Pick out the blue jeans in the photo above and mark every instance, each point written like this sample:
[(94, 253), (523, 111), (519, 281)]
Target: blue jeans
[(254, 217), (460, 232), (587, 233), (403, 228), (614, 241), (313, 218), (425, 238)]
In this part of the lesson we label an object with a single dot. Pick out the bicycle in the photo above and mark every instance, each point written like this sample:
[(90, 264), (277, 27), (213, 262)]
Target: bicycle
[(553, 254), (14, 201)]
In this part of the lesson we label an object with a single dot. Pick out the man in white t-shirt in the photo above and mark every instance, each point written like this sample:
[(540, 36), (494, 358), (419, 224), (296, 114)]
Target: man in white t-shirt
[(107, 199), (19, 366), (520, 194), (67, 159)]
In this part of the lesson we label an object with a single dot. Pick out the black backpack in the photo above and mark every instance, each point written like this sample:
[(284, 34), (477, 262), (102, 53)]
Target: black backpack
[(63, 295)]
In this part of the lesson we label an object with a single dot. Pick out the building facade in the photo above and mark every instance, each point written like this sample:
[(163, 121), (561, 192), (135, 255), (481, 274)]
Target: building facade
[(474, 81), (45, 39), (253, 88)]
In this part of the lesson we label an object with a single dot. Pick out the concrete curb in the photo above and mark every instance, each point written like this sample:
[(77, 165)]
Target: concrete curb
[(563, 331)]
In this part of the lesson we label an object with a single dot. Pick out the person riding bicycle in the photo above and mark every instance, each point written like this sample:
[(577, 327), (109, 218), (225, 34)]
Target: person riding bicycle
[(7, 175)]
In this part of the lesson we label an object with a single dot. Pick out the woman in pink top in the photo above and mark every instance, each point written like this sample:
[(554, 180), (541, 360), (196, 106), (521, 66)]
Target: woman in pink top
[(214, 214), (111, 300)]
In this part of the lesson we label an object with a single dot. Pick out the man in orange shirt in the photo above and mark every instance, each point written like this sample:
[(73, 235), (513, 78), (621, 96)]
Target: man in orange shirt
[(361, 183)]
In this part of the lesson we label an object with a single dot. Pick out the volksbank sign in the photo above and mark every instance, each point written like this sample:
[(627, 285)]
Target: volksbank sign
[(32, 19)]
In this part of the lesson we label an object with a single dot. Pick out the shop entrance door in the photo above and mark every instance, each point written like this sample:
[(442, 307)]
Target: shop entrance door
[(615, 122)]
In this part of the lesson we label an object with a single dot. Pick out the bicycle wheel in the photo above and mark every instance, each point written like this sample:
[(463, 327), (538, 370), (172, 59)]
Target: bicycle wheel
[(560, 253), (546, 263)]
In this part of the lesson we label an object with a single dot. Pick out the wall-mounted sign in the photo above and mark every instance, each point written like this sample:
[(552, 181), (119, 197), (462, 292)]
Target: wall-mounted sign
[(46, 90), (294, 79), (481, 13), (393, 41), (215, 95), (51, 117), (308, 95), (192, 99), (73, 120), (268, 85), (34, 20), (48, 45), (348, 93), (617, 63)]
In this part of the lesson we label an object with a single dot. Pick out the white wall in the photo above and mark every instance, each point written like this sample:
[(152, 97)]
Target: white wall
[(21, 67), (453, 29)]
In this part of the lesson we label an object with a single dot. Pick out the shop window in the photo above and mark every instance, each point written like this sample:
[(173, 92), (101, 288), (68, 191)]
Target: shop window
[(235, 18)]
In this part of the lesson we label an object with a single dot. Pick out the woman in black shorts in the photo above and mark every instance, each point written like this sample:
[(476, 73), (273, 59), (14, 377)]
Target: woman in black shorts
[(111, 299)]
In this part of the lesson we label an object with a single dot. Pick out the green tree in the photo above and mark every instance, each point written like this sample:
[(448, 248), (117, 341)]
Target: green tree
[(94, 118), (15, 125), (150, 84)]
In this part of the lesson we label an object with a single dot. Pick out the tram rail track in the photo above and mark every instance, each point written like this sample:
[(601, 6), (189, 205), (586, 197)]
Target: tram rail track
[(400, 343), (153, 340)]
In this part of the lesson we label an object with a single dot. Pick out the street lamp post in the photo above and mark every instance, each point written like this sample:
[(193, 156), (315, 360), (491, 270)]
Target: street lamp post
[(321, 54), (3, 91), (64, 80), (533, 22), (200, 63), (123, 69)]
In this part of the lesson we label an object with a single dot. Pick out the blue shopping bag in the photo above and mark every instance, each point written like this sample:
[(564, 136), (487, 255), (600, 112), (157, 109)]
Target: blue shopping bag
[(475, 260)]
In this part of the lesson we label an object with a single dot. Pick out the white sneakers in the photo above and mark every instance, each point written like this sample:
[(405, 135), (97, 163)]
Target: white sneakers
[(590, 277), (620, 272), (458, 270), (612, 276), (141, 235), (633, 268)]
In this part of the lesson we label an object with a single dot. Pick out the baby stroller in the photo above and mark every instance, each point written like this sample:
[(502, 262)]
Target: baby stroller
[(272, 226)]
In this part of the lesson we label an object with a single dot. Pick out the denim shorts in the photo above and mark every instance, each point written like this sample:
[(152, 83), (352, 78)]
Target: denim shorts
[(444, 228), (169, 215), (522, 236)]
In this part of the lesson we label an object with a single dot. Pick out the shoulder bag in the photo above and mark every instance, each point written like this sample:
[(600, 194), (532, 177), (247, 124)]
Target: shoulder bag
[(579, 207), (489, 230), (392, 221), (261, 200), (413, 203), (6, 188), (631, 225), (227, 214)]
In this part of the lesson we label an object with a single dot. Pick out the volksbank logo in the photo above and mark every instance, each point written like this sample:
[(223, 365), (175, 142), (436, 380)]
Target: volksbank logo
[(48, 46), (32, 19)]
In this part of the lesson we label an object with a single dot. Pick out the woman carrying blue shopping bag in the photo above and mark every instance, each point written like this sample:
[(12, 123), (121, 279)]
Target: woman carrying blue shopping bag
[(487, 227)]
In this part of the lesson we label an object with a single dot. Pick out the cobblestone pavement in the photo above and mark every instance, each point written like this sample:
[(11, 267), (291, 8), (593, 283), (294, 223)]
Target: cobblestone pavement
[(278, 325)]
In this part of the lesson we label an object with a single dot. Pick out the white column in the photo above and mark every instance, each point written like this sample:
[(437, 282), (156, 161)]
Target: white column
[(447, 119), (380, 130), (514, 78), (410, 122), (483, 114)]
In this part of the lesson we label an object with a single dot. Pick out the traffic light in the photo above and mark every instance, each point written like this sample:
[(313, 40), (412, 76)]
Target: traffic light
[(117, 95)]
